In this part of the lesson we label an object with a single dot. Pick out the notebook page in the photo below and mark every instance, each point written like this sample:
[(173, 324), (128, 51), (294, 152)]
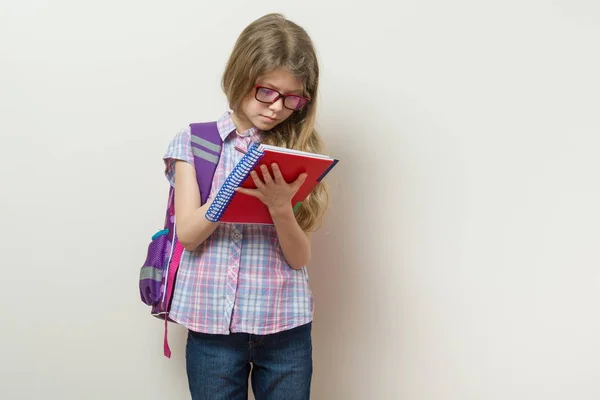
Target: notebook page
[(292, 151)]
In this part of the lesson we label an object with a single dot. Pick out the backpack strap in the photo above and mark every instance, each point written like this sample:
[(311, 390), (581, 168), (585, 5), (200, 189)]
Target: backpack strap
[(206, 147)]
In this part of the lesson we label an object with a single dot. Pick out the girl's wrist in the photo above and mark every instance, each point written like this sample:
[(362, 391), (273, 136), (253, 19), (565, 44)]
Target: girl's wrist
[(280, 211)]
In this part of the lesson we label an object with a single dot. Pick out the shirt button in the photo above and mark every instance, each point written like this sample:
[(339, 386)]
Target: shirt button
[(237, 236)]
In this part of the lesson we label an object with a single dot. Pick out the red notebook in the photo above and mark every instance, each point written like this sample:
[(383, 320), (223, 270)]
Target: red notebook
[(232, 207)]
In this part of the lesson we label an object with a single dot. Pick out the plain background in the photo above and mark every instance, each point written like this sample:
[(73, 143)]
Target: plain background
[(459, 261)]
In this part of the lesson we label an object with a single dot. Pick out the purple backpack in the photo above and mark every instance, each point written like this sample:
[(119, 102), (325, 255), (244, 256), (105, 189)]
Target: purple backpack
[(159, 272)]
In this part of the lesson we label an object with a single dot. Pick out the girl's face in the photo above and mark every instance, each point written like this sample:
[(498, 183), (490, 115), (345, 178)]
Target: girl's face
[(256, 108)]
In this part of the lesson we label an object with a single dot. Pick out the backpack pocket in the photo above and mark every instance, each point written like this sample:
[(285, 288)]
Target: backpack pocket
[(153, 272)]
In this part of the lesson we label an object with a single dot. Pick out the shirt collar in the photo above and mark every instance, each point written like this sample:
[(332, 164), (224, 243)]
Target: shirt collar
[(226, 127)]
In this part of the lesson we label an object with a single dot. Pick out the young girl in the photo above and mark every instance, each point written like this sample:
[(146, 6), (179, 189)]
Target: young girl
[(242, 290)]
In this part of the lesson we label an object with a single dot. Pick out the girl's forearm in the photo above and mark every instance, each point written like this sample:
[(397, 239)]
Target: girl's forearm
[(193, 229), (294, 242)]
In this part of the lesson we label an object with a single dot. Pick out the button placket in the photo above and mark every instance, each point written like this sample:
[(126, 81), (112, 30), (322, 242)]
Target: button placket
[(233, 270)]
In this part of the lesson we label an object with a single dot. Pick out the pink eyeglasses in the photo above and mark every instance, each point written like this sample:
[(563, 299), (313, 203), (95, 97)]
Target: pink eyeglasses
[(290, 101)]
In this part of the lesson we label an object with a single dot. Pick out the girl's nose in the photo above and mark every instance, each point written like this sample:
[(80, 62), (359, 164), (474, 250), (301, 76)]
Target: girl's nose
[(277, 106)]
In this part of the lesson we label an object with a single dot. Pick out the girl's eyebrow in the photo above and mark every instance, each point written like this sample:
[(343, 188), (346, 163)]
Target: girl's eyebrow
[(269, 84)]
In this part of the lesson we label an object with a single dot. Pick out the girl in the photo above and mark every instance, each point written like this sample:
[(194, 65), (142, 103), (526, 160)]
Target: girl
[(242, 290)]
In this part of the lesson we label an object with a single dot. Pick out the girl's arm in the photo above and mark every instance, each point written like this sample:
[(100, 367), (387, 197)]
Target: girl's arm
[(277, 195), (295, 243), (191, 225)]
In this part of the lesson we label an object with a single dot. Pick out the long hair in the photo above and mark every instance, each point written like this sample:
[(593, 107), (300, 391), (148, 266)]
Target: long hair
[(266, 44)]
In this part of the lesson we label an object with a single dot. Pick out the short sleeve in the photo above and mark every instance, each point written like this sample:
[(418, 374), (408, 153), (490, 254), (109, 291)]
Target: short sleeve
[(180, 148)]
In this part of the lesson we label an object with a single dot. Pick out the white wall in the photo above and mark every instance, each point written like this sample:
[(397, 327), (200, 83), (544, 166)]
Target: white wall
[(468, 134)]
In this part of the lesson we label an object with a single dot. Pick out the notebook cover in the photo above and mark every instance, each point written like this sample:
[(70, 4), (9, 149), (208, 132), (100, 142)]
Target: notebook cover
[(247, 209)]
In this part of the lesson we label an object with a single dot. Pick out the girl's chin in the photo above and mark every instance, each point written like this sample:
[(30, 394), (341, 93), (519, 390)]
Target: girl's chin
[(264, 123)]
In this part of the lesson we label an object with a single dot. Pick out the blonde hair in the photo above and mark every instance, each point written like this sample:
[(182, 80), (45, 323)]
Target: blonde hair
[(269, 43)]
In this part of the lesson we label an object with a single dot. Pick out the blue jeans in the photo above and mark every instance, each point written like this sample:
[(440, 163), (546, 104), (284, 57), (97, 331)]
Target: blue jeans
[(280, 364)]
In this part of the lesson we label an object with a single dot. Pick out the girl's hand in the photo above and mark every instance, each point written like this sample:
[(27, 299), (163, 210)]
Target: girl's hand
[(273, 191)]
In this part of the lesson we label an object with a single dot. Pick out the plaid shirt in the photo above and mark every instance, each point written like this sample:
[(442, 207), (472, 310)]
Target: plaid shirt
[(237, 280)]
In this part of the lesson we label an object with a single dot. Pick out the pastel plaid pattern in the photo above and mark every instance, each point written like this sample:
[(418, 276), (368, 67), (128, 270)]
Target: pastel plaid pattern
[(238, 279)]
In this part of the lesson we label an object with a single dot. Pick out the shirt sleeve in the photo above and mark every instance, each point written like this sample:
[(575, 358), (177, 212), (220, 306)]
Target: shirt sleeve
[(180, 148)]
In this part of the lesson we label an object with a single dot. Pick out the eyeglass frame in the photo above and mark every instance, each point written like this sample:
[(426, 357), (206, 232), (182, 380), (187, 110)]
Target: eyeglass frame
[(280, 96)]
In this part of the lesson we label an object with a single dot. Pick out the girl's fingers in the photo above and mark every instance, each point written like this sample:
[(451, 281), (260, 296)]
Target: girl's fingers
[(277, 174), (266, 175), (298, 182), (249, 192), (259, 184)]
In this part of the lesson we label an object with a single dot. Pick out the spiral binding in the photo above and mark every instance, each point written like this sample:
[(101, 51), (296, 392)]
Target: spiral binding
[(235, 179)]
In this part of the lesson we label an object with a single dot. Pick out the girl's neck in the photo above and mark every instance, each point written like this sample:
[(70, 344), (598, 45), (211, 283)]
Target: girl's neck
[(241, 122)]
